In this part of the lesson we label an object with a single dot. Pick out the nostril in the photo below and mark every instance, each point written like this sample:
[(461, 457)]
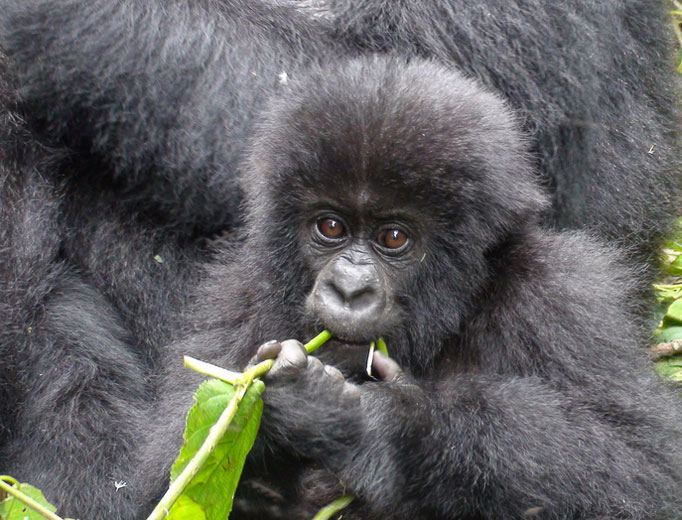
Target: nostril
[(350, 303), (362, 299), (329, 293), (355, 298)]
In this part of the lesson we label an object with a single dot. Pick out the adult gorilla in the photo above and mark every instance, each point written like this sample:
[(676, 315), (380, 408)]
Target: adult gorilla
[(136, 118), (169, 91)]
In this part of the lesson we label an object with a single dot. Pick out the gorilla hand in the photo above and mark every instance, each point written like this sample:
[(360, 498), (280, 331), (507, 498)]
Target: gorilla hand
[(309, 406)]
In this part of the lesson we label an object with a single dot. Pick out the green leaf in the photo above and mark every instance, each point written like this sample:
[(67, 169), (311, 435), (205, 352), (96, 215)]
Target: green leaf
[(671, 368), (211, 491), (187, 509), (666, 293), (674, 312), (13, 509), (668, 334)]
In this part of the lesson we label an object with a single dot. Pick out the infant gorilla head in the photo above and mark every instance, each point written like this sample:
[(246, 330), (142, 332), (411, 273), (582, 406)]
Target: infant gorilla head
[(389, 185), (395, 200)]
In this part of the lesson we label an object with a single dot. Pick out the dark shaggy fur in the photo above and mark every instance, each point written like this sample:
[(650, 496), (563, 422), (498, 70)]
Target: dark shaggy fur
[(525, 390), (123, 125), (136, 117), (167, 92), (84, 309), (590, 78)]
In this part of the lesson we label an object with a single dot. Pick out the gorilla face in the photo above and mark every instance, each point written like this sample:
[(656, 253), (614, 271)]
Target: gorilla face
[(384, 199), (397, 181), (358, 263)]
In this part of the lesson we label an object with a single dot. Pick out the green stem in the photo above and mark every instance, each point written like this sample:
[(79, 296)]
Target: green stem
[(258, 370), (216, 433), (212, 370), (23, 497), (10, 480), (318, 341), (337, 505)]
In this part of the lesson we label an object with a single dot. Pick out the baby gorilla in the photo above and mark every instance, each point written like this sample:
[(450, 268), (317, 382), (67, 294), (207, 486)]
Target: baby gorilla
[(396, 200)]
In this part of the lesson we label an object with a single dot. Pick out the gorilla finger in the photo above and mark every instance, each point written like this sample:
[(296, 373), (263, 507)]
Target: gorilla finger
[(292, 357), (264, 351), (334, 374), (315, 366), (269, 350), (351, 391), (385, 368)]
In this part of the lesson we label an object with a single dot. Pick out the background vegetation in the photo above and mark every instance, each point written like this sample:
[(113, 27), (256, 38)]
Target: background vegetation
[(668, 350)]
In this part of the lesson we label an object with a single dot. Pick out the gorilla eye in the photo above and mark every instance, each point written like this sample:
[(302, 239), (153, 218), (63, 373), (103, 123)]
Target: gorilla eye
[(331, 228), (392, 238)]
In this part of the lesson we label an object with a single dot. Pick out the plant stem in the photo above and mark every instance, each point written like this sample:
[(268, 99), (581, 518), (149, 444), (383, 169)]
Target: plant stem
[(381, 347), (257, 370), (337, 505), (212, 370), (23, 497), (261, 368), (318, 341)]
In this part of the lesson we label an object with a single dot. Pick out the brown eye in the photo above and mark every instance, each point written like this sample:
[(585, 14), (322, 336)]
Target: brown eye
[(392, 238), (330, 228)]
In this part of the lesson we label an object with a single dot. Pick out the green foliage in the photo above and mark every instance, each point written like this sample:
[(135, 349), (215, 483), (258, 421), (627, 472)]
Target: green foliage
[(671, 367), (221, 429), (187, 509), (12, 509), (211, 491), (667, 334), (23, 502), (669, 294)]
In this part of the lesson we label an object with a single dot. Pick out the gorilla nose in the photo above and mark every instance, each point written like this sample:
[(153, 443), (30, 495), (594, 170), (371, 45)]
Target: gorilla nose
[(349, 300), (356, 296), (351, 311), (350, 297)]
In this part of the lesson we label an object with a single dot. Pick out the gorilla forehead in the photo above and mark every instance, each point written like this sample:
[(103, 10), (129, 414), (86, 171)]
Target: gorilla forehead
[(415, 132)]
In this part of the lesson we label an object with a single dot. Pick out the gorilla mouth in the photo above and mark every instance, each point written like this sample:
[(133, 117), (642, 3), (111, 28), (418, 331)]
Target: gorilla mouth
[(350, 343), (350, 357), (345, 345)]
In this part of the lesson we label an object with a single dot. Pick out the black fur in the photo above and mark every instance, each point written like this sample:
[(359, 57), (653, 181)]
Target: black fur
[(167, 91), (591, 79), (525, 390), (123, 126), (135, 118), (85, 308)]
